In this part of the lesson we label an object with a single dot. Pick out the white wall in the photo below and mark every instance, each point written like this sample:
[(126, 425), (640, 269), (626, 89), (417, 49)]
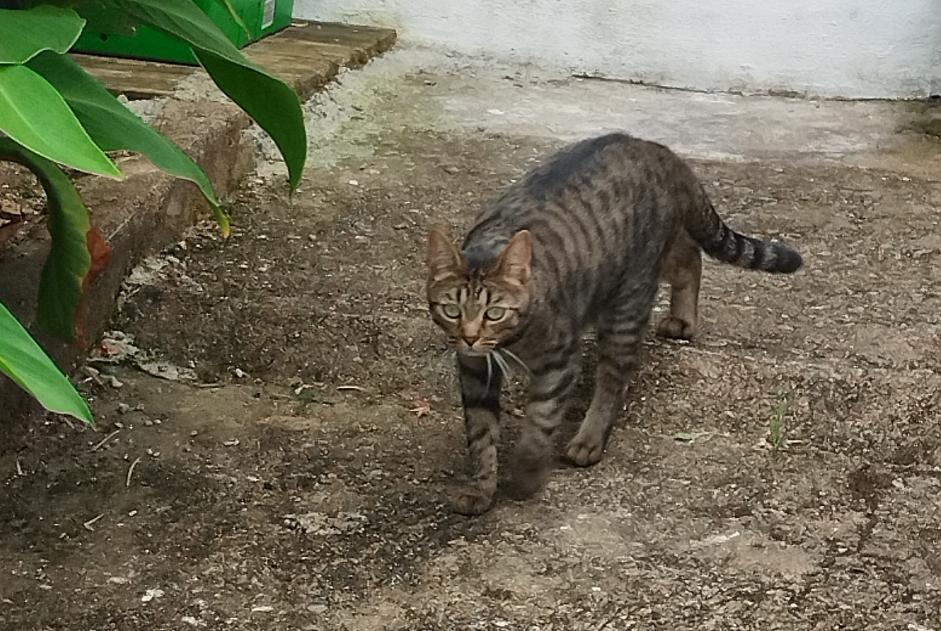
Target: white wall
[(845, 48)]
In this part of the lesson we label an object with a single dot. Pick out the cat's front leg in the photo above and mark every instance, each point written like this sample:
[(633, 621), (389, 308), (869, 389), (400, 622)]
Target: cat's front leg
[(552, 382), (481, 382)]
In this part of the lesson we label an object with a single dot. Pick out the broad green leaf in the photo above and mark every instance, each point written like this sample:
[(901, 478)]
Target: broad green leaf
[(60, 286), (36, 116), (23, 361), (24, 33), (269, 101), (113, 126), (101, 18)]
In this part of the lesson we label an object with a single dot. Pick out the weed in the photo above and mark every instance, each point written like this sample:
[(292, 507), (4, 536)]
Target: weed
[(777, 431)]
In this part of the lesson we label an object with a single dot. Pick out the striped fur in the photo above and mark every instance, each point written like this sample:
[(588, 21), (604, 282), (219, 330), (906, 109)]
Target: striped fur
[(583, 240)]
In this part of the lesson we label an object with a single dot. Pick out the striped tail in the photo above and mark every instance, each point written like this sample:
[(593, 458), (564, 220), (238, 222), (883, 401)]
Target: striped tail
[(724, 244)]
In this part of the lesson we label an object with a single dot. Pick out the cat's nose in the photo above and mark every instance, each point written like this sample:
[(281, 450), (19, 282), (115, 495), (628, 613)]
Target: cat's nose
[(470, 339)]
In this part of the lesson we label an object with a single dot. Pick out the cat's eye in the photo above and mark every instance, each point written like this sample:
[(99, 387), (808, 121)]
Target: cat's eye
[(495, 313), (451, 311)]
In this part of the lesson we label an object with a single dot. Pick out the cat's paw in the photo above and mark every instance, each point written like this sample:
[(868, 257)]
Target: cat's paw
[(585, 451), (676, 329), (527, 477), (471, 502)]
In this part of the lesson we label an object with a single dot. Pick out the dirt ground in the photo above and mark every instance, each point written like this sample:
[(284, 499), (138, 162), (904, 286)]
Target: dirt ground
[(289, 470)]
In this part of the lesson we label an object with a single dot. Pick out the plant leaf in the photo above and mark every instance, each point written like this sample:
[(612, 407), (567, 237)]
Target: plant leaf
[(26, 33), (60, 285), (36, 116), (113, 126), (100, 252), (25, 362), (269, 101), (104, 19)]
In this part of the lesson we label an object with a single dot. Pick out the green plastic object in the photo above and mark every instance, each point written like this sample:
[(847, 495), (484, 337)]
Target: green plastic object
[(262, 17)]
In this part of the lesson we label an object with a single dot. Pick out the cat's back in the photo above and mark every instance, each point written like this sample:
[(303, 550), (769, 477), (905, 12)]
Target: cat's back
[(587, 163), (598, 170)]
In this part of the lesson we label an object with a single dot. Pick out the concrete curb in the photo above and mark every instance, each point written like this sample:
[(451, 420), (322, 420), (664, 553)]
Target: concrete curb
[(149, 209)]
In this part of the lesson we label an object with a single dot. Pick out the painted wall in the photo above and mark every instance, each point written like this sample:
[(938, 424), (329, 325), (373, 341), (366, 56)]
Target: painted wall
[(846, 48)]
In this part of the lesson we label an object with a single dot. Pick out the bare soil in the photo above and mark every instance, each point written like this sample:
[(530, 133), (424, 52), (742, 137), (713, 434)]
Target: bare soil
[(300, 481), (21, 199)]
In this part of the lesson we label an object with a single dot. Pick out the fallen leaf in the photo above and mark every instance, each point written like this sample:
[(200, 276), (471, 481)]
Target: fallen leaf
[(422, 408)]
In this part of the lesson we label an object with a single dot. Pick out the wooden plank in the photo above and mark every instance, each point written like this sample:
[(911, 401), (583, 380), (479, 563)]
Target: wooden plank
[(305, 54), (135, 78)]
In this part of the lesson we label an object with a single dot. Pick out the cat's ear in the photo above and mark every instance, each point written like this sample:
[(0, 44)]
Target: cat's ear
[(514, 265), (444, 260)]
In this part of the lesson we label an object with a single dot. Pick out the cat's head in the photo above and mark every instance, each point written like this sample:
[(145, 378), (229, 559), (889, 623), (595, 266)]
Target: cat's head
[(478, 309)]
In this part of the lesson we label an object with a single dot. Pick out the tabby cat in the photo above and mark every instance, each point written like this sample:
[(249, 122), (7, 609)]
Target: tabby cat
[(581, 240)]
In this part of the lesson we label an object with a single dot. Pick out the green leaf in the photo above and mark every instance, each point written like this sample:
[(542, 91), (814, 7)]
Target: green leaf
[(104, 19), (113, 126), (36, 116), (269, 101), (24, 33), (23, 361), (60, 285)]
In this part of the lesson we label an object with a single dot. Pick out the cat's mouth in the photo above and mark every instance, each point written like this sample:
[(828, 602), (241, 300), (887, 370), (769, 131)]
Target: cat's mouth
[(494, 353), (477, 349), (464, 348)]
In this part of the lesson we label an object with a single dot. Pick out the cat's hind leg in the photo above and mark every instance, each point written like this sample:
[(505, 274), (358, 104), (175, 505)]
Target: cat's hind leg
[(682, 268)]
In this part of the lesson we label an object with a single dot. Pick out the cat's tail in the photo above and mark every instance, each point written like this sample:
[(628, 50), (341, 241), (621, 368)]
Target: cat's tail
[(724, 244)]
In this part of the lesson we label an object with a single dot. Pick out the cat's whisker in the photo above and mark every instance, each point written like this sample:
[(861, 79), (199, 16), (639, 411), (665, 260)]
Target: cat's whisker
[(489, 369), (501, 362), (515, 358)]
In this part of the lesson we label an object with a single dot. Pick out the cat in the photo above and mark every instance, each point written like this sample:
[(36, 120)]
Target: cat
[(582, 240)]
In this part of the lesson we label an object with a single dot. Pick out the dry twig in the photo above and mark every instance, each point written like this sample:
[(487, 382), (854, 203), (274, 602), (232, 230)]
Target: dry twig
[(105, 439), (130, 472), (88, 524)]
